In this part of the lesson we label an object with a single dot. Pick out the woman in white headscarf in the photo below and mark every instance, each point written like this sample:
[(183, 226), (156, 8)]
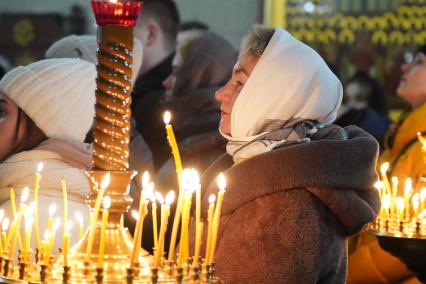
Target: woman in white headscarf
[(297, 185)]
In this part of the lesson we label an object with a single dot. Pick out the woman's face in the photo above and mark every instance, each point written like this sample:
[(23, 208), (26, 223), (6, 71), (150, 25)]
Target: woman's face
[(412, 87), (8, 120), (228, 94)]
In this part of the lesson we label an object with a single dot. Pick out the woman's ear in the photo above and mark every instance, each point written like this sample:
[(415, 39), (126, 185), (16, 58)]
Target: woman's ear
[(153, 33)]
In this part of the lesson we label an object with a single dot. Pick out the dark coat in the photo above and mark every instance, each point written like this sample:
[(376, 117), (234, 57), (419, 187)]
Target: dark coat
[(286, 213)]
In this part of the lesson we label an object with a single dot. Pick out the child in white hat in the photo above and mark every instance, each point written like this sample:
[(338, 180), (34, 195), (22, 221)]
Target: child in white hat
[(46, 110)]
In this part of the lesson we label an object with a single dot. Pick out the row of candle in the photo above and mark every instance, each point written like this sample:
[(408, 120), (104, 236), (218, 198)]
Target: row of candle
[(398, 211)]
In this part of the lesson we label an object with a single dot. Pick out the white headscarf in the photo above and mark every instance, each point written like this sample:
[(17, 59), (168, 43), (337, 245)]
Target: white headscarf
[(290, 83)]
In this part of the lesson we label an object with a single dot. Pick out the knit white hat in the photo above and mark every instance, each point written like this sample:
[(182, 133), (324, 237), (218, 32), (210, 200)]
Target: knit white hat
[(57, 94), (85, 46)]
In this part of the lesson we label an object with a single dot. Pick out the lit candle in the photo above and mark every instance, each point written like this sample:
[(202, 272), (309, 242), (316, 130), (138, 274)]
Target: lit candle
[(173, 145), (408, 190), (15, 217), (160, 200), (94, 217), (383, 171), (379, 186), (147, 189), (52, 236), (422, 199), (221, 182), (165, 213), (80, 221), (27, 237), (106, 205), (66, 242), (4, 227), (36, 189), (415, 201), (45, 246), (197, 204), (176, 222), (400, 208), (65, 198), (198, 244), (386, 205), (212, 199), (154, 220), (394, 193), (52, 211), (24, 197), (187, 188)]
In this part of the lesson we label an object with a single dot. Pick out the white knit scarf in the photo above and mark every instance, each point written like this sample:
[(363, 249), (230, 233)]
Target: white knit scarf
[(289, 85)]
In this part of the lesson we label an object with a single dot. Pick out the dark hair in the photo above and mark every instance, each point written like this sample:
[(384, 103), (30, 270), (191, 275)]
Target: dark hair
[(166, 14), (422, 49), (193, 25), (33, 135)]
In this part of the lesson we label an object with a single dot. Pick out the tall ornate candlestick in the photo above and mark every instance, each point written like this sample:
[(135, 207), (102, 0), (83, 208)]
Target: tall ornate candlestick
[(115, 21)]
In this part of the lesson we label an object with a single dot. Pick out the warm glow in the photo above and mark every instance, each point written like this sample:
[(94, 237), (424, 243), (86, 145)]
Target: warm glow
[(31, 209), (186, 178), (52, 209), (56, 224), (386, 202), (40, 167), (415, 202), (5, 224), (195, 177), (384, 168), (395, 180), (113, 1), (423, 194), (69, 226), (29, 223), (379, 185), (159, 197), (408, 187), (25, 194), (145, 179), (212, 198), (46, 235), (221, 182), (105, 181), (135, 215), (79, 218), (107, 202), (167, 117), (400, 204), (170, 197)]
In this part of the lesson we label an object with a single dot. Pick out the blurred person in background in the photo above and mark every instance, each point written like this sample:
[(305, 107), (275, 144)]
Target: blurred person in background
[(157, 29), (368, 262), (4, 66), (364, 105)]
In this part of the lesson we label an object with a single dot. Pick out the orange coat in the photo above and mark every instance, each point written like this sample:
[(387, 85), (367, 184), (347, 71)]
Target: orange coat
[(368, 262)]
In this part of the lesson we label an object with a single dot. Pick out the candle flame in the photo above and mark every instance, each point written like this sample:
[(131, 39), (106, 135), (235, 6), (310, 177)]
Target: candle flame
[(31, 209), (423, 194), (395, 180), (384, 168), (40, 167), (400, 204), (107, 202), (415, 201), (159, 197), (29, 223), (186, 178), (408, 187), (195, 177), (221, 182), (386, 202), (52, 209), (1, 214), (69, 226), (25, 194), (145, 179), (105, 181), (170, 197), (212, 198), (79, 218), (46, 235), (56, 224), (5, 224), (379, 185), (167, 117), (135, 215)]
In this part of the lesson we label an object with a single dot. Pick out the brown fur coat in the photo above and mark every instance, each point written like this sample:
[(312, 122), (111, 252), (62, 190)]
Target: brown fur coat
[(287, 213)]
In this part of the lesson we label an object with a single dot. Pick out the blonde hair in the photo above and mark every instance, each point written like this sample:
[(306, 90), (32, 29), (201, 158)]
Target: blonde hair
[(256, 41)]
